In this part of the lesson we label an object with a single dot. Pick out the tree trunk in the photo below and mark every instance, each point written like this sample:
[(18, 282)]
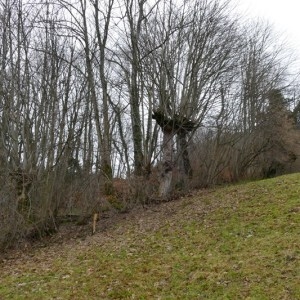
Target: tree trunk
[(135, 24), (106, 166), (167, 169), (185, 168)]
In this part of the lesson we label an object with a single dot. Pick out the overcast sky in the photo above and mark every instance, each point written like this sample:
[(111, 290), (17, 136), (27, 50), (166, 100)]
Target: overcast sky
[(283, 14)]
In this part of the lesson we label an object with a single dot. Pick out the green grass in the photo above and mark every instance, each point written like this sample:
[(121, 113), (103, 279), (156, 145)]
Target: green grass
[(235, 242)]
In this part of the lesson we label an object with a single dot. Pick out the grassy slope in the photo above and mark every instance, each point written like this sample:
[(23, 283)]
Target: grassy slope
[(237, 242)]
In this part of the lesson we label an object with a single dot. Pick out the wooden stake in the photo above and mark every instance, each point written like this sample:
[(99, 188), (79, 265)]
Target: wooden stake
[(95, 219)]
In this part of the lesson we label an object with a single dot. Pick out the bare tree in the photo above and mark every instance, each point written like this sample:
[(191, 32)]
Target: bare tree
[(262, 69), (199, 47), (102, 36)]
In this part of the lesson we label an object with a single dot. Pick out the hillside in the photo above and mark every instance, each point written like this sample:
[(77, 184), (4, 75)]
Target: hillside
[(235, 242)]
